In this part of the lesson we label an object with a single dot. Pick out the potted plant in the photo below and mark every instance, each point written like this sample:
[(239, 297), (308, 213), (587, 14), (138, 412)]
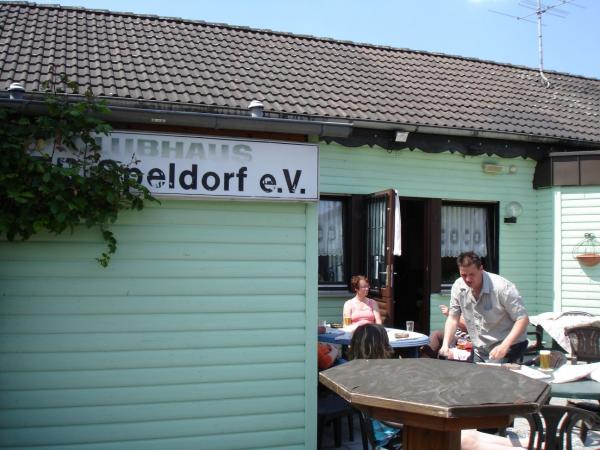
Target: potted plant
[(587, 252)]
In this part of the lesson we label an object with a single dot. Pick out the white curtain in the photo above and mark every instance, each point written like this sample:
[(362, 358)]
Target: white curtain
[(464, 228), (331, 232)]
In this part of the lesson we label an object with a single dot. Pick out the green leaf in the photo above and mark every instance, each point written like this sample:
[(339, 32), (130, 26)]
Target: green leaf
[(41, 196)]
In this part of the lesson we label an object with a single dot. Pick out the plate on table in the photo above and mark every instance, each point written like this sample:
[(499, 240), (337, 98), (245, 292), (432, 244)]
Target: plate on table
[(399, 335)]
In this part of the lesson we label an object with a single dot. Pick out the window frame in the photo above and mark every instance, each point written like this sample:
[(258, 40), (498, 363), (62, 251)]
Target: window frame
[(347, 229), (354, 245), (493, 237)]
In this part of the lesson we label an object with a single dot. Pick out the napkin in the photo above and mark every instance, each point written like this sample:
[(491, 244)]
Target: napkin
[(595, 375), (531, 373), (459, 353), (572, 372)]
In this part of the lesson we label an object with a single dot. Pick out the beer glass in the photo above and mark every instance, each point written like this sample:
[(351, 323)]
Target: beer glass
[(545, 359)]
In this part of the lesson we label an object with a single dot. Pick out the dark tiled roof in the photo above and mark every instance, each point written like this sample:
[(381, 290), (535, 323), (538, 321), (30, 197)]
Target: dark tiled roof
[(190, 63)]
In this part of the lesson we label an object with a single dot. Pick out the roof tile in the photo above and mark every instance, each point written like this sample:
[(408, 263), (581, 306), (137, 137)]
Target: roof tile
[(182, 61)]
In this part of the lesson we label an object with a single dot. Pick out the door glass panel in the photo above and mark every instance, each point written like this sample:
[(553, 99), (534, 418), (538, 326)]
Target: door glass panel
[(375, 251)]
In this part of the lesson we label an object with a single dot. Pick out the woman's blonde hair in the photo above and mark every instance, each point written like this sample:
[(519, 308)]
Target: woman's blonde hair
[(370, 341)]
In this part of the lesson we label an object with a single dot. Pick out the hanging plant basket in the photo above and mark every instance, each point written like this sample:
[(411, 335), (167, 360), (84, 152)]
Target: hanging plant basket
[(587, 252), (588, 259)]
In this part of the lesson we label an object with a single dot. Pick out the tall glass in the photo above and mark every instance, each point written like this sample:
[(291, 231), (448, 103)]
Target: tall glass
[(545, 360)]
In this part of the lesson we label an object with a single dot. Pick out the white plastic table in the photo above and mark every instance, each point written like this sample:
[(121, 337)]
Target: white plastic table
[(412, 342), (555, 323)]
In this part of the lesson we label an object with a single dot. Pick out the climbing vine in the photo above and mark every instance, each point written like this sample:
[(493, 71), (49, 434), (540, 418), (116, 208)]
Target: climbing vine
[(51, 174)]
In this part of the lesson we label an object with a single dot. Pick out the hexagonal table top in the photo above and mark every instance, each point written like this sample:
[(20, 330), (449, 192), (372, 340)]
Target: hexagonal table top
[(445, 389)]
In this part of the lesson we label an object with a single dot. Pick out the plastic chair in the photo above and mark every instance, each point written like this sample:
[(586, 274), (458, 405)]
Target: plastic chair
[(556, 433), (331, 408), (585, 341), (368, 434), (585, 346), (536, 344)]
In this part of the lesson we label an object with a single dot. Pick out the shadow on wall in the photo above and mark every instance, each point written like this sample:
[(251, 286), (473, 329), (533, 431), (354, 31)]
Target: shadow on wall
[(593, 273)]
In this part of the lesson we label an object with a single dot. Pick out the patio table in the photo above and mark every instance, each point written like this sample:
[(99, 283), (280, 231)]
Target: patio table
[(580, 389), (412, 342), (435, 399), (584, 388), (555, 323)]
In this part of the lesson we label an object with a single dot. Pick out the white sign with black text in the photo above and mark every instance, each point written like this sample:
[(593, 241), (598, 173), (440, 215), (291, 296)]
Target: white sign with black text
[(181, 165)]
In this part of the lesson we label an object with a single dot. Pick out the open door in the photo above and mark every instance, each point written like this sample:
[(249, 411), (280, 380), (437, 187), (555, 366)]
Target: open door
[(417, 268), (379, 237)]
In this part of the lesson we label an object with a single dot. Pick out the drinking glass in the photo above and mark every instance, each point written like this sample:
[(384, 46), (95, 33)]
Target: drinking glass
[(322, 326), (545, 359)]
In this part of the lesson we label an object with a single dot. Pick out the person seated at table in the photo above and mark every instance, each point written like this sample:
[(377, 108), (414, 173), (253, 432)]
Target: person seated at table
[(360, 308), (327, 355), (437, 337), (370, 341)]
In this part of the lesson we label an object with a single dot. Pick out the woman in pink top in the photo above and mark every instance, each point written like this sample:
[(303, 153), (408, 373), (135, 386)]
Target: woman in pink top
[(360, 308)]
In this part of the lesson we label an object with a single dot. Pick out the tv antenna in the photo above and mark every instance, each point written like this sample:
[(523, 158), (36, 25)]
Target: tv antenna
[(539, 10)]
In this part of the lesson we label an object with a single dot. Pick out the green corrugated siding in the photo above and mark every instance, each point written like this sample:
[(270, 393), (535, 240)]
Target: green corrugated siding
[(545, 252), (195, 336), (580, 213), (448, 176), (330, 307)]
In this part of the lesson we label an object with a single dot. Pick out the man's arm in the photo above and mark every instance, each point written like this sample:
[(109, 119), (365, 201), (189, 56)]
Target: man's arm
[(462, 324), (449, 330), (461, 321), (517, 330)]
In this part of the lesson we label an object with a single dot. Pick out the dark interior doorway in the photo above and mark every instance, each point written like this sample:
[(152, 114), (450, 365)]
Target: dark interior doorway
[(411, 284)]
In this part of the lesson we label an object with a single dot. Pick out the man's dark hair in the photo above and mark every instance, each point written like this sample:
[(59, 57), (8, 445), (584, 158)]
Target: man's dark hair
[(465, 259)]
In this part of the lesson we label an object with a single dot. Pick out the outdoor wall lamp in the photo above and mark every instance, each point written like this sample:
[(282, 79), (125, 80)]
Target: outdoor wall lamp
[(495, 169), (512, 211), (492, 168), (256, 108), (401, 136)]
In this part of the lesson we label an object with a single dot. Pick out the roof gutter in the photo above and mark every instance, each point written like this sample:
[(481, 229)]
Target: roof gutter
[(202, 119), (238, 120), (465, 132)]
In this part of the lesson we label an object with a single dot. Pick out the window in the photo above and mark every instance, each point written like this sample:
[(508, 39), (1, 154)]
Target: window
[(467, 227), (332, 252), (353, 235)]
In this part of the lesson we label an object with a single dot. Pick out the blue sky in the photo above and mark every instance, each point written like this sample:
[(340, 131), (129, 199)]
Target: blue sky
[(457, 27)]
